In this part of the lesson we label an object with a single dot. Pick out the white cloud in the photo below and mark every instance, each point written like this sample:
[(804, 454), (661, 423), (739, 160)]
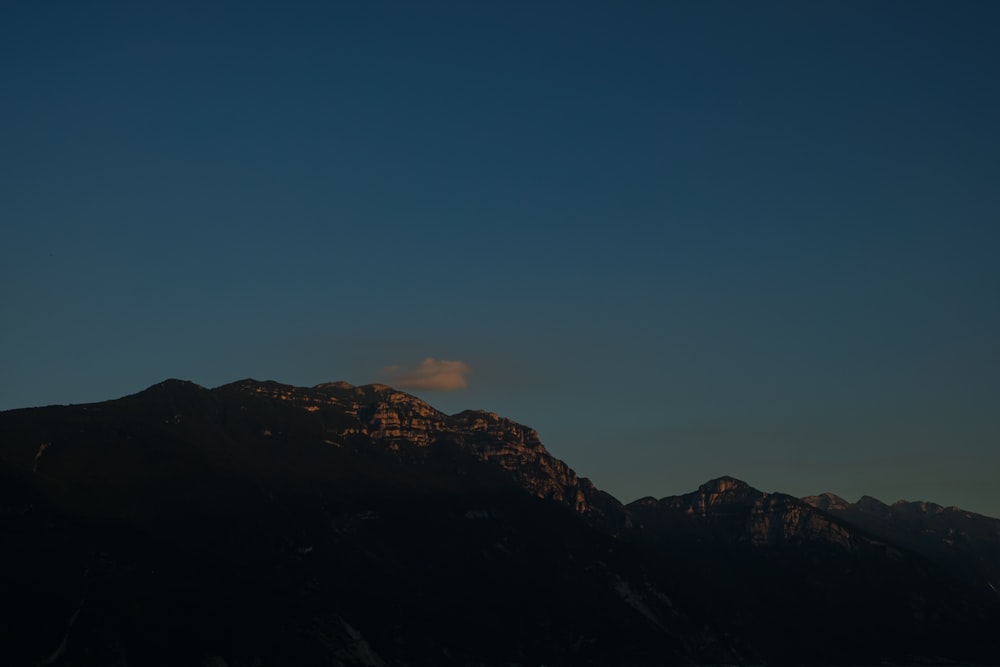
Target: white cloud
[(429, 374)]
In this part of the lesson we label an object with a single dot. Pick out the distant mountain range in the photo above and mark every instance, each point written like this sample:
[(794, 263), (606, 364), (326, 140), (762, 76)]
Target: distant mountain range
[(259, 524)]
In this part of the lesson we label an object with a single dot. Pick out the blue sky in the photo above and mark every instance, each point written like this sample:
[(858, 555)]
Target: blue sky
[(681, 240)]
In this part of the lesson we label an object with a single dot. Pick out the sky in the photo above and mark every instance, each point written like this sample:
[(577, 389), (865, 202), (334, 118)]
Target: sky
[(680, 239)]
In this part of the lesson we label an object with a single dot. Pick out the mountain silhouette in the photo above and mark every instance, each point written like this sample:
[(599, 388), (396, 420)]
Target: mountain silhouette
[(260, 524)]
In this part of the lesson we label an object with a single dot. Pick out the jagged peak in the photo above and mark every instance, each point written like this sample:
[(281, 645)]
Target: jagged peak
[(827, 501), (923, 506), (339, 384), (252, 382), (385, 392), (490, 416), (724, 484), (380, 388), (872, 505)]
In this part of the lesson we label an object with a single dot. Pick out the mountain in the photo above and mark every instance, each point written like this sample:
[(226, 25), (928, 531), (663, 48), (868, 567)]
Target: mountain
[(966, 544), (804, 581), (260, 524), (263, 524)]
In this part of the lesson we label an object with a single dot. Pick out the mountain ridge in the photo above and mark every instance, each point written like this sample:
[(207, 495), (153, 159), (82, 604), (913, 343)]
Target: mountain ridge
[(334, 498), (340, 386)]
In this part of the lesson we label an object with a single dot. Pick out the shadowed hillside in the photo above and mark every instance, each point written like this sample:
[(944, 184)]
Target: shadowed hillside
[(264, 524)]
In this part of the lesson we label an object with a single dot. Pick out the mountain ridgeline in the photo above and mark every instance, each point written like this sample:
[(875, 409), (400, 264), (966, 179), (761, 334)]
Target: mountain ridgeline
[(261, 524)]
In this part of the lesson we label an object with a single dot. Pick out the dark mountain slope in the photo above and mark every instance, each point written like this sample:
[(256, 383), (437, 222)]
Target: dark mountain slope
[(264, 524), (807, 585), (966, 544)]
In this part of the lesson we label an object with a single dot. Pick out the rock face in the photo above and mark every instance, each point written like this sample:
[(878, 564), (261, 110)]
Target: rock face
[(827, 502), (263, 524), (732, 510), (396, 421)]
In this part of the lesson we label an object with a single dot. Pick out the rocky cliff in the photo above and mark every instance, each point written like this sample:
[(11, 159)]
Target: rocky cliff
[(397, 421), (732, 510)]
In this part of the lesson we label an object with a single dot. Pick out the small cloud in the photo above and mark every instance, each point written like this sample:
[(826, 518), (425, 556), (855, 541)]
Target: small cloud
[(430, 374)]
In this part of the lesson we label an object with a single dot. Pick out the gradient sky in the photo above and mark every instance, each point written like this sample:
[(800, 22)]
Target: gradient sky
[(680, 239)]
